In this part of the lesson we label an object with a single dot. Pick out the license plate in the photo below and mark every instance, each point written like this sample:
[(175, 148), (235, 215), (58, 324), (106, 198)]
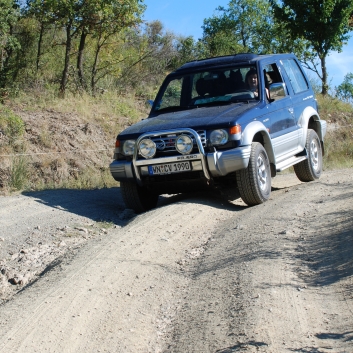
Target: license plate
[(169, 168)]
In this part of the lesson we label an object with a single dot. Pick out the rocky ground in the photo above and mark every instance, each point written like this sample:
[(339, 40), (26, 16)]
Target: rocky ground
[(79, 272)]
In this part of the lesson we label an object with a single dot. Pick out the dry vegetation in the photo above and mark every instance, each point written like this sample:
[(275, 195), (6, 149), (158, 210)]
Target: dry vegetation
[(339, 137), (62, 143), (53, 143)]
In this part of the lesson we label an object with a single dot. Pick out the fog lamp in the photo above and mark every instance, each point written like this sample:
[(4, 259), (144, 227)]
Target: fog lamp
[(147, 148), (184, 144)]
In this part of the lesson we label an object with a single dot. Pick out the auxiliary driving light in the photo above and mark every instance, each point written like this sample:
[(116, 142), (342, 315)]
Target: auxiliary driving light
[(147, 148), (184, 144)]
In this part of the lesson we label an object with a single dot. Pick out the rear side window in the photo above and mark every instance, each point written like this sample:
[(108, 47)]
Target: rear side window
[(295, 74)]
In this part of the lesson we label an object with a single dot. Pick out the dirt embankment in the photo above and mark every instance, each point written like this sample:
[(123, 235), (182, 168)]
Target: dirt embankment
[(59, 149), (197, 274)]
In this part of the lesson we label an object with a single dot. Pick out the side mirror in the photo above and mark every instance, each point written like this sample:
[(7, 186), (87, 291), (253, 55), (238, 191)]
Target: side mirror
[(277, 91)]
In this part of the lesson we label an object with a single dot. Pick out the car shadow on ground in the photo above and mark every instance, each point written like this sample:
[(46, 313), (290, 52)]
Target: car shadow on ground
[(339, 339), (241, 347), (215, 199), (106, 205), (102, 205)]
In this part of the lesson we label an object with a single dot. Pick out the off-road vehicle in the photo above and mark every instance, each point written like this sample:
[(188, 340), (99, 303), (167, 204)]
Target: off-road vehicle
[(229, 122)]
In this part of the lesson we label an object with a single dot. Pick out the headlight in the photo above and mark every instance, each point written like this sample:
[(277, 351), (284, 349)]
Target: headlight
[(147, 148), (184, 144), (129, 147), (219, 137)]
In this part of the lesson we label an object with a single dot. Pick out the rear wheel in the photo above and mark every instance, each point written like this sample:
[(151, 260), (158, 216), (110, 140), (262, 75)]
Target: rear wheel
[(138, 198), (311, 168), (254, 182)]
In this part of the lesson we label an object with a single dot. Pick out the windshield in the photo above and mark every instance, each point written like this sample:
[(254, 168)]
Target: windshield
[(219, 86)]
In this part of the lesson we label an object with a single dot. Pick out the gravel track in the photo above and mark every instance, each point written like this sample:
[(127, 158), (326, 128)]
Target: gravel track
[(79, 273)]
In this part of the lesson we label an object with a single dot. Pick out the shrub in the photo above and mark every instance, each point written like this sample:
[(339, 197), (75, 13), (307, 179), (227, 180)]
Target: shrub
[(11, 125), (19, 176)]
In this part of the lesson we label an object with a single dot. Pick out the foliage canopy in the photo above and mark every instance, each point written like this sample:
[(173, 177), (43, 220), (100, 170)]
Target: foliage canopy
[(324, 24), (95, 45), (345, 90)]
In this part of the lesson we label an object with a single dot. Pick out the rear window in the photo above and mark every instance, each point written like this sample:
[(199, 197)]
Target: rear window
[(296, 76)]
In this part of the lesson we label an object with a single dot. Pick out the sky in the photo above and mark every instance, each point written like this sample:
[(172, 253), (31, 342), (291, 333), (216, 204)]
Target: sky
[(185, 17)]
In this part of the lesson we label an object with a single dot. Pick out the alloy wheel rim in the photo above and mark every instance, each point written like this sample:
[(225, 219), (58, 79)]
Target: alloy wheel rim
[(261, 173), (314, 154)]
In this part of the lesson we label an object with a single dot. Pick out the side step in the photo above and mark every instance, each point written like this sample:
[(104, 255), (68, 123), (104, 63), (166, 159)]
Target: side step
[(289, 162)]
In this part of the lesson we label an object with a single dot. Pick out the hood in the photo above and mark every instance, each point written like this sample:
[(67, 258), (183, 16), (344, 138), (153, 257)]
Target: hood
[(198, 118)]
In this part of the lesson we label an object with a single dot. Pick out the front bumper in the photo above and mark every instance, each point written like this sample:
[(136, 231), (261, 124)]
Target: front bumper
[(214, 164)]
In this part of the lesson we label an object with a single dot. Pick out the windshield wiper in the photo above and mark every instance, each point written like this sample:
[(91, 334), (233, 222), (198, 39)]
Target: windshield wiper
[(214, 103), (174, 108)]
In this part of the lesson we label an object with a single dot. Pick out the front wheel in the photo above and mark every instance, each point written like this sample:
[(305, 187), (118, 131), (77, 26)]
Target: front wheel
[(137, 198), (311, 168), (254, 182)]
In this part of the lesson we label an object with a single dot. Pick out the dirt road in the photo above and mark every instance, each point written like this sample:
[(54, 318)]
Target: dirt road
[(198, 274)]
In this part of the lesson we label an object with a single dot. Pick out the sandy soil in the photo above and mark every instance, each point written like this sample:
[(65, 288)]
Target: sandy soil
[(79, 273)]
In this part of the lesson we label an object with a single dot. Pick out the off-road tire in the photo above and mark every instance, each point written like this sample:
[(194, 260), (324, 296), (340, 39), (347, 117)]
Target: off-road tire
[(137, 198), (254, 182), (311, 168)]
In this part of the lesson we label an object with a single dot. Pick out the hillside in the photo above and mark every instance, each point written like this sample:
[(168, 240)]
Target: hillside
[(67, 146)]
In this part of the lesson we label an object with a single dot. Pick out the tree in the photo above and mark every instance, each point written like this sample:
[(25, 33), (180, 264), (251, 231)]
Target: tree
[(9, 15), (324, 24), (66, 14), (247, 26), (151, 52), (103, 21), (185, 49), (345, 90), (80, 18), (39, 10), (240, 27)]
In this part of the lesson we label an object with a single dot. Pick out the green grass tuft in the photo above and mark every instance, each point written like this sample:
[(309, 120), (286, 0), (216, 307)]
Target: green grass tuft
[(11, 125)]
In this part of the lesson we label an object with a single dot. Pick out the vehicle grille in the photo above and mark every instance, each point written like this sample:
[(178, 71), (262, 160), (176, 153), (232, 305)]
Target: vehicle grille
[(166, 143)]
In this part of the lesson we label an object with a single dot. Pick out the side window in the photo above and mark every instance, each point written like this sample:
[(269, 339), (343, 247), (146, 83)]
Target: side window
[(272, 74), (274, 82), (295, 75), (197, 85)]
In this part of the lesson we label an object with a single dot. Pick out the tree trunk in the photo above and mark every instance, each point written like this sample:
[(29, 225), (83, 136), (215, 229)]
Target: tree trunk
[(39, 47), (65, 74), (81, 48), (324, 89), (5, 71), (95, 65)]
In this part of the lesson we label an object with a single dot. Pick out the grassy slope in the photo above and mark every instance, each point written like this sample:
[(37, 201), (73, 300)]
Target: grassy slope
[(339, 137), (66, 143)]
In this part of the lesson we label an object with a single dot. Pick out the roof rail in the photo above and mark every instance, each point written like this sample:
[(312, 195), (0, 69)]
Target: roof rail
[(220, 60)]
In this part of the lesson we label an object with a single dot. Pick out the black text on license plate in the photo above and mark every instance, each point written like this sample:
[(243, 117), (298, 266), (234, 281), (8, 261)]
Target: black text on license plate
[(169, 168)]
